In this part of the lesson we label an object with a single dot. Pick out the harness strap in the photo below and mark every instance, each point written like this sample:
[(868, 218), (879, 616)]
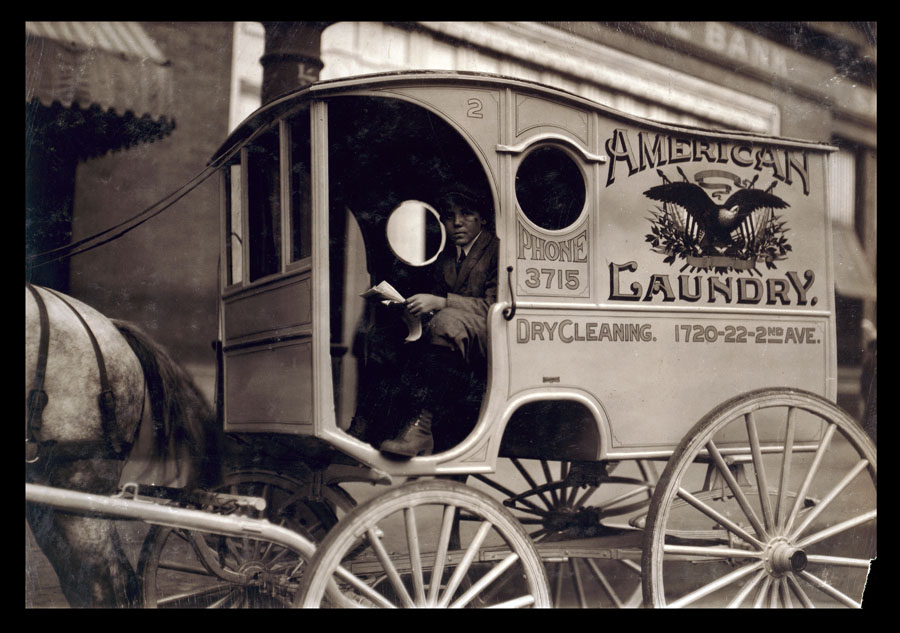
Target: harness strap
[(37, 397), (107, 399)]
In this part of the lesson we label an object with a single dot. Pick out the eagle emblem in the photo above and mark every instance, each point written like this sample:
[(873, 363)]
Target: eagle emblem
[(708, 233)]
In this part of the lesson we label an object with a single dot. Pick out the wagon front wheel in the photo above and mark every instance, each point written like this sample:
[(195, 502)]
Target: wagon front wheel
[(409, 548), (183, 568), (769, 501)]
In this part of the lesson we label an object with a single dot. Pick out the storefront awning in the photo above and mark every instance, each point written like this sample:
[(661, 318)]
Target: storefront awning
[(106, 83), (853, 276)]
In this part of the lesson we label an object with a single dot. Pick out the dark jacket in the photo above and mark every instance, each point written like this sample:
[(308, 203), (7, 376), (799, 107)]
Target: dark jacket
[(470, 294)]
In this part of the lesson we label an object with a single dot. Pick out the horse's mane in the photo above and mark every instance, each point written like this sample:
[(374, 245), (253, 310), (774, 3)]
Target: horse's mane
[(179, 409)]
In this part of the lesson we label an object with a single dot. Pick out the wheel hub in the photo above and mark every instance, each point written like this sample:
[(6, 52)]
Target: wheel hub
[(565, 518), (254, 573), (782, 557)]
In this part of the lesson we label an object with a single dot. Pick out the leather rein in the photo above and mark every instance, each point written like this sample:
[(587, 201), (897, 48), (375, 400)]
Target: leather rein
[(37, 400)]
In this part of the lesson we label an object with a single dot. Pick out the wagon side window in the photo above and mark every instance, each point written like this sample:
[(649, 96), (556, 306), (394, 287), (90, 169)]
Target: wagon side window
[(234, 228), (550, 188), (301, 196), (264, 199)]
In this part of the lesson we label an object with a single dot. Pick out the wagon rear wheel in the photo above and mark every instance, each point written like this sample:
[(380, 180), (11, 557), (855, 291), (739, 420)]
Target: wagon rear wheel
[(597, 503), (406, 548), (769, 501), (183, 568)]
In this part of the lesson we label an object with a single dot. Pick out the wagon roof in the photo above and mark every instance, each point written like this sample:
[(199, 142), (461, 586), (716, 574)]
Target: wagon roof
[(332, 87)]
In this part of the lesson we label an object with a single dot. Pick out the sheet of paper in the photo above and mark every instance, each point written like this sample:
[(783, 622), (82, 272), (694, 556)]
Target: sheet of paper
[(389, 295)]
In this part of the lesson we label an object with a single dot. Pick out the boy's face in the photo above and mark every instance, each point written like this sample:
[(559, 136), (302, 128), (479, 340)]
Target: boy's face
[(462, 225)]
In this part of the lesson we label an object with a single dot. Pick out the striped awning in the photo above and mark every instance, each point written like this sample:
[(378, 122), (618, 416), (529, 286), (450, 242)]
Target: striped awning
[(102, 73)]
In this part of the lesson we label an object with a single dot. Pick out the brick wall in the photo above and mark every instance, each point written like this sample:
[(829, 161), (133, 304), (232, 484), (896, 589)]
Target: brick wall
[(163, 275)]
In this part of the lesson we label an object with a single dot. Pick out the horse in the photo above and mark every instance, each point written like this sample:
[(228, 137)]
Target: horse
[(104, 404)]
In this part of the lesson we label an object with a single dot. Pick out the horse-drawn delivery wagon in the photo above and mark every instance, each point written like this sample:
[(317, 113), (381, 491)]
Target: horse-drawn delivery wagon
[(652, 420)]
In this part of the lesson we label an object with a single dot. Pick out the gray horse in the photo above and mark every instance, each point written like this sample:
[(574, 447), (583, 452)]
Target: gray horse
[(99, 392)]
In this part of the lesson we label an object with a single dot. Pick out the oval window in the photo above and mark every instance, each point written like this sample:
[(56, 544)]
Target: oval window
[(415, 233), (550, 188)]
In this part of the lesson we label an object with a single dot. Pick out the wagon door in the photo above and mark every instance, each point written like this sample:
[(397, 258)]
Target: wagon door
[(268, 321)]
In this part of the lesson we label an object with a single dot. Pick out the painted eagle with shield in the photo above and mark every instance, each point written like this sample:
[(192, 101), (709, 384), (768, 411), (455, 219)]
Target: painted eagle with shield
[(731, 228)]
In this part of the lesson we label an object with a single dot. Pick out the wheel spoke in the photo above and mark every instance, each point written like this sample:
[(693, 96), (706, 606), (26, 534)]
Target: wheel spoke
[(798, 591), (787, 458), (587, 495), (441, 554), (539, 535), (529, 521), (763, 592), (385, 559), (810, 475), (484, 581), (786, 593), (837, 529), (736, 489), (509, 493), (538, 512), (189, 599), (463, 568), (363, 588), (548, 479), (774, 589), (720, 518), (608, 505), (607, 587), (185, 568), (840, 561), (558, 588), (762, 483), (530, 481), (570, 498), (280, 553), (831, 591), (832, 494), (649, 473), (710, 552), (579, 585), (223, 601), (412, 540), (747, 590), (268, 548), (717, 584), (516, 603)]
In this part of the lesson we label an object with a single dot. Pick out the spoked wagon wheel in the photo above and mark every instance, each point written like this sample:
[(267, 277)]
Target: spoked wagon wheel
[(183, 568), (560, 501), (768, 501), (403, 549)]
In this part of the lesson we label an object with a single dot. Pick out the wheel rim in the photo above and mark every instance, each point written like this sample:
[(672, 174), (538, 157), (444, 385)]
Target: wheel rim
[(561, 500), (714, 540), (186, 569), (407, 548)]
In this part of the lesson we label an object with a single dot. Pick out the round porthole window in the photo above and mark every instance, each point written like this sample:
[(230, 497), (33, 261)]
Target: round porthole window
[(415, 233), (550, 188)]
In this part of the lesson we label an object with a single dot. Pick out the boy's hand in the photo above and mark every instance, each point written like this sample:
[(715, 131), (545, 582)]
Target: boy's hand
[(424, 303)]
